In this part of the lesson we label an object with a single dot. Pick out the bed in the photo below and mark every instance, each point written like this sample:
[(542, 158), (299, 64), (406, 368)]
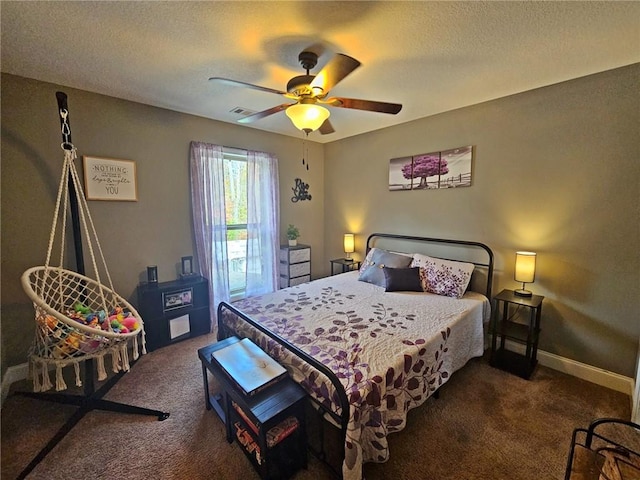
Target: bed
[(368, 352)]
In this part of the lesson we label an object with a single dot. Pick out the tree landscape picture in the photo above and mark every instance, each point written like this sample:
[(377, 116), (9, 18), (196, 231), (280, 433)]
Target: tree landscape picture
[(446, 169)]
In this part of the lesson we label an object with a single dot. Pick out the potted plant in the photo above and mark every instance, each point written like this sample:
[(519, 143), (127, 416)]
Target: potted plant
[(292, 234)]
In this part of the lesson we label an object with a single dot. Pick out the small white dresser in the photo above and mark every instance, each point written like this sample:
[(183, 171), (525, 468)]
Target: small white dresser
[(295, 265)]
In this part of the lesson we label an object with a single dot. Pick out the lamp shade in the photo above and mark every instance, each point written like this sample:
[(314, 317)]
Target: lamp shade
[(349, 243), (525, 267), (307, 116)]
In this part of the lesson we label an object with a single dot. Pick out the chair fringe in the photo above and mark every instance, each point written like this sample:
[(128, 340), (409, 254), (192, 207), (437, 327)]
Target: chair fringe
[(115, 360), (102, 373), (76, 367), (136, 354), (124, 356), (46, 381), (60, 383)]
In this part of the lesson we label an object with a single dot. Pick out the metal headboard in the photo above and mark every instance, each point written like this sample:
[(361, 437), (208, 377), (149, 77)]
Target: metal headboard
[(488, 263)]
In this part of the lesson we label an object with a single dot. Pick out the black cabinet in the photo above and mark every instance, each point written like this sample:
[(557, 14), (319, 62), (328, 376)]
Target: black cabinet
[(174, 311), (269, 426), (516, 319)]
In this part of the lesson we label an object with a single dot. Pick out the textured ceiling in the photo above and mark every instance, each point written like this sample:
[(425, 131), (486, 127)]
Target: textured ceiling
[(429, 56)]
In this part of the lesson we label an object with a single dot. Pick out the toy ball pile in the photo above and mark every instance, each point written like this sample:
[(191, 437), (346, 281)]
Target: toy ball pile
[(118, 321), (65, 341)]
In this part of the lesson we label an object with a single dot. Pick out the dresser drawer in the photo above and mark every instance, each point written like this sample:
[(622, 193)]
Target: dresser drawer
[(293, 255), (299, 280), (290, 282), (295, 270)]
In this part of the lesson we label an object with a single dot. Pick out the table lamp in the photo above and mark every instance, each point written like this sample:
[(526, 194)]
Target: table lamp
[(349, 246), (525, 271)]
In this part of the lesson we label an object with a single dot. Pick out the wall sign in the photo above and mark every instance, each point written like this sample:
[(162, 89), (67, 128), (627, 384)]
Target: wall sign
[(110, 179), (300, 191)]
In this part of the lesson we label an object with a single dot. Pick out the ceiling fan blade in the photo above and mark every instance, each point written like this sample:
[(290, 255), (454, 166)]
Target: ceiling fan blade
[(333, 72), (264, 113), (370, 105), (326, 127), (238, 83)]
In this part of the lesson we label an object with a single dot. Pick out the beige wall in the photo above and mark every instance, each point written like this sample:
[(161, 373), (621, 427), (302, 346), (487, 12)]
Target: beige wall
[(556, 170), (155, 230)]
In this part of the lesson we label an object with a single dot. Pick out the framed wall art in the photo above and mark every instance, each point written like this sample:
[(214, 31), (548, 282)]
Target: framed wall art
[(446, 169), (109, 179)]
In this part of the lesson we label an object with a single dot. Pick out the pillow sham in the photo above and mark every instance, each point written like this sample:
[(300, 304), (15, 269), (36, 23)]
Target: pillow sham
[(372, 267), (443, 277), (402, 279)]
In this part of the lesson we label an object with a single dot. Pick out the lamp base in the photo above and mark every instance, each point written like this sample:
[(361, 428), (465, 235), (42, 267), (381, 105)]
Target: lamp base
[(521, 292), (348, 260)]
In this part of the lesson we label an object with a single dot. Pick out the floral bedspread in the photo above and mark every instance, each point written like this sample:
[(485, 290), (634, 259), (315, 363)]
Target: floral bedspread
[(390, 350)]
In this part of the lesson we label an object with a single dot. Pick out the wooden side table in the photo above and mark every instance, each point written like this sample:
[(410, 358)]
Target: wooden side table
[(347, 265), (508, 324), (259, 417)]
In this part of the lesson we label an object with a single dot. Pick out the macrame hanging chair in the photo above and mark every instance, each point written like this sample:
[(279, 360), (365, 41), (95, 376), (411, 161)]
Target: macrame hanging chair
[(77, 317)]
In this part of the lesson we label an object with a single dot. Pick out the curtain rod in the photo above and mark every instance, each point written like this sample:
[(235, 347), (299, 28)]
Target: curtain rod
[(236, 150)]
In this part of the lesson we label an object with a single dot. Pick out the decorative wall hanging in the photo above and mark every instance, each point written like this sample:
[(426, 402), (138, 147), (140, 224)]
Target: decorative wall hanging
[(109, 179), (300, 191), (446, 169)]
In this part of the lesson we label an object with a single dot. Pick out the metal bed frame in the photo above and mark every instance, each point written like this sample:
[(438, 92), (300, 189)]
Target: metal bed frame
[(343, 418)]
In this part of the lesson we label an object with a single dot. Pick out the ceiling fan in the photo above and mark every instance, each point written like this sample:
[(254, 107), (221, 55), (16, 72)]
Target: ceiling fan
[(311, 92)]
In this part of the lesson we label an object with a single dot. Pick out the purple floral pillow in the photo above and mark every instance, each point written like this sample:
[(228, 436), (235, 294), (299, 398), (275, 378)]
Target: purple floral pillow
[(443, 277)]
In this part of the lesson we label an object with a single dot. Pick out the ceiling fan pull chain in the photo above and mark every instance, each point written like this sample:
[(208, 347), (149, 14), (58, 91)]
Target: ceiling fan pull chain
[(305, 150)]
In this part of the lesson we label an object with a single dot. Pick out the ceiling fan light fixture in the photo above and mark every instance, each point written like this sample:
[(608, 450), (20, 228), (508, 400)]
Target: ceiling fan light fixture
[(307, 117)]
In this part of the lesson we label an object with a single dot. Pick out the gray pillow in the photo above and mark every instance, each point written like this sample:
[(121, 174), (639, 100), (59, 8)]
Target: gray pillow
[(372, 271)]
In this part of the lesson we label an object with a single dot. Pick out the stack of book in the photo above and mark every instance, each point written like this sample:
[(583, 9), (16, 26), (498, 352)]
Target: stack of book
[(275, 434)]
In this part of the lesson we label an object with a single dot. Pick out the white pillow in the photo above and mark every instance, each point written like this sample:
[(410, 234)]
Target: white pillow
[(443, 277)]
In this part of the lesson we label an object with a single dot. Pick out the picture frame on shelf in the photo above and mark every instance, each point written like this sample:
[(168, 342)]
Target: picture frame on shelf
[(187, 265), (187, 272), (177, 299)]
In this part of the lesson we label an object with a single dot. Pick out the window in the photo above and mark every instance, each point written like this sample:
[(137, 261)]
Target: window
[(235, 201), (236, 218)]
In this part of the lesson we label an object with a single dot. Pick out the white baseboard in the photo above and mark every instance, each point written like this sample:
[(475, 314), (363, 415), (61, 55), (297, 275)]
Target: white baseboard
[(592, 374), (13, 374)]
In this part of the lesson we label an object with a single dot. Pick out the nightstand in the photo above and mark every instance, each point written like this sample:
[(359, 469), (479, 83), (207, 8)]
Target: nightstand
[(347, 265), (517, 319)]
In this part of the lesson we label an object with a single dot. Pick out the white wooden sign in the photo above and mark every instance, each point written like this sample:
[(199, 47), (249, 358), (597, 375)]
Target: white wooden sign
[(110, 179)]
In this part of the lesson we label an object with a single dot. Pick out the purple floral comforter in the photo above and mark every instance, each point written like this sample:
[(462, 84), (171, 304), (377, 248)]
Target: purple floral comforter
[(390, 350)]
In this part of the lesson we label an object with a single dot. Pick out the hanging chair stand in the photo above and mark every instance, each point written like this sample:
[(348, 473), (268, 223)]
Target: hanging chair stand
[(47, 285)]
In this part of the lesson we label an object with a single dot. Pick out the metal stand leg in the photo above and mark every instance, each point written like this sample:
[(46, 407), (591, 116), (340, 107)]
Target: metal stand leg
[(92, 400)]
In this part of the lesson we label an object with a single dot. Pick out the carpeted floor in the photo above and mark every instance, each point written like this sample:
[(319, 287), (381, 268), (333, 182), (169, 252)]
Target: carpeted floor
[(487, 424)]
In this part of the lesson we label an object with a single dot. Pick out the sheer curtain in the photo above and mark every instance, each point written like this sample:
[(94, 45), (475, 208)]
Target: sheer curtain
[(209, 219), (263, 223)]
